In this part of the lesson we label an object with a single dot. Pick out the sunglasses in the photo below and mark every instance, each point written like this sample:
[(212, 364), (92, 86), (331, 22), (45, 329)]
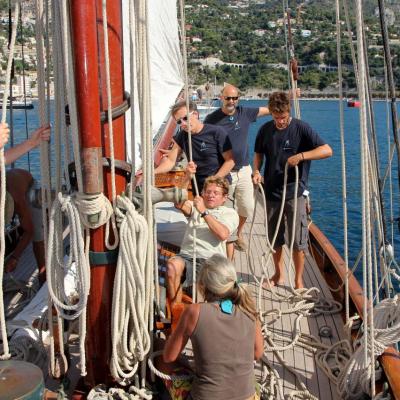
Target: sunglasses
[(183, 119), (234, 98)]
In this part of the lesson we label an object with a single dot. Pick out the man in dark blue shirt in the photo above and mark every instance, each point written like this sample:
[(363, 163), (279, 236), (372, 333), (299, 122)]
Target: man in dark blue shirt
[(236, 120), (211, 146), (292, 141)]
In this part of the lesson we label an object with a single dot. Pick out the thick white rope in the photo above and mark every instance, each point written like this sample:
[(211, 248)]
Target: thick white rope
[(163, 375), (68, 308), (343, 158), (129, 335), (6, 352), (148, 174), (94, 204), (355, 378), (110, 129)]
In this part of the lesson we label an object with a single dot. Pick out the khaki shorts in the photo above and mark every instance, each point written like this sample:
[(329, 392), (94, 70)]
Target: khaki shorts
[(301, 230), (187, 276), (241, 191)]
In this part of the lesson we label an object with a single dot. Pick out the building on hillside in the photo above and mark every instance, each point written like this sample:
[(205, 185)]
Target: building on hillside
[(259, 32), (213, 62), (305, 33)]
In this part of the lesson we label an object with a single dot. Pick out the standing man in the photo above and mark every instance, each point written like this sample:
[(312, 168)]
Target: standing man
[(236, 120), (280, 141), (212, 149)]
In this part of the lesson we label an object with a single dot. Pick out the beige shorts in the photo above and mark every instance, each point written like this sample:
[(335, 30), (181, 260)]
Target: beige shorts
[(241, 191)]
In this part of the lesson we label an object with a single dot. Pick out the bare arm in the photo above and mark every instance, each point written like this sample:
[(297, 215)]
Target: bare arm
[(228, 164), (185, 207), (4, 134), (257, 164), (263, 111), (178, 339), (258, 342), (169, 160), (39, 135), (219, 230), (319, 153)]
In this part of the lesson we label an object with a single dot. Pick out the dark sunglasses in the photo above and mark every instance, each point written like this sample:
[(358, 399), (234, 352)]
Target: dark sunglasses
[(183, 119), (234, 98)]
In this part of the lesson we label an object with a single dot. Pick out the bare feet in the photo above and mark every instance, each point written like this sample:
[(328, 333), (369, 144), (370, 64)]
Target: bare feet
[(275, 280), (299, 284)]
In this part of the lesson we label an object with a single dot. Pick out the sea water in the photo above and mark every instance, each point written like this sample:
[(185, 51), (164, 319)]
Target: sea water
[(325, 177)]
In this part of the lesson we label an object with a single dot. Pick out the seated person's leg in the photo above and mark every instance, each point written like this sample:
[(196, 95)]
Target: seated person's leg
[(175, 268), (38, 242)]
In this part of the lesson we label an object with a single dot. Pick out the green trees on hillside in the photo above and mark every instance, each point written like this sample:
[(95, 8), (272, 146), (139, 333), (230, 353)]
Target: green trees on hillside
[(255, 36)]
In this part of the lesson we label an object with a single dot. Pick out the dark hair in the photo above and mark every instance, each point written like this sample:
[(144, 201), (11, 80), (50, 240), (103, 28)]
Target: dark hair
[(220, 182), (279, 102), (182, 103)]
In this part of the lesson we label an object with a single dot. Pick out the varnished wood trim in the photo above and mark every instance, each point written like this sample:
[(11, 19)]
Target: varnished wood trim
[(390, 359)]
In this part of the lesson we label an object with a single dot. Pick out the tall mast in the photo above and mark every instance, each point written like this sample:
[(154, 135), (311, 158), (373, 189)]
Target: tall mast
[(88, 45)]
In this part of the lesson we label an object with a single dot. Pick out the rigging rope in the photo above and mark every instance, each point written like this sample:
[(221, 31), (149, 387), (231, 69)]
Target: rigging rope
[(6, 353), (110, 129), (343, 158)]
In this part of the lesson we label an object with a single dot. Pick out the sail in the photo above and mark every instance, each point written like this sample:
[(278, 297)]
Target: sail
[(166, 72)]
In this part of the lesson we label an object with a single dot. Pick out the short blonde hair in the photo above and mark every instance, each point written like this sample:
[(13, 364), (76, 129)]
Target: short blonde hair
[(220, 182)]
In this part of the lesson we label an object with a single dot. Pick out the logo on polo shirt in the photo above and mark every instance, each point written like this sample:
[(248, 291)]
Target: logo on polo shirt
[(203, 147), (287, 146)]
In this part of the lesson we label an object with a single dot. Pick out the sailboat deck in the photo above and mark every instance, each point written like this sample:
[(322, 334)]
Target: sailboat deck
[(297, 357), (301, 360)]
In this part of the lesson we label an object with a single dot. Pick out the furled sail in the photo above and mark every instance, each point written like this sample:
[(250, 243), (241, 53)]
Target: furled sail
[(166, 72)]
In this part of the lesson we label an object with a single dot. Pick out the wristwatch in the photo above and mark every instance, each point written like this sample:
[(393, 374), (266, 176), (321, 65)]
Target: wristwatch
[(203, 214)]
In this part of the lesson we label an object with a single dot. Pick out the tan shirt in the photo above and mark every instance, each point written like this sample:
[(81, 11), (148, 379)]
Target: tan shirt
[(207, 243), (223, 346)]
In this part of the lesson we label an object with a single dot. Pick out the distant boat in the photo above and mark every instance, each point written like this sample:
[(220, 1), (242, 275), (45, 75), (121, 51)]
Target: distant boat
[(353, 103), (19, 105)]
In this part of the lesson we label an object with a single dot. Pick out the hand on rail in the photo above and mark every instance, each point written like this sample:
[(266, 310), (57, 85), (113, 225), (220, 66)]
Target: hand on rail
[(41, 134)]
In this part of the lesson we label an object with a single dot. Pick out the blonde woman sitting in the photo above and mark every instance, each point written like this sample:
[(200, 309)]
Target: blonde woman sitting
[(225, 333)]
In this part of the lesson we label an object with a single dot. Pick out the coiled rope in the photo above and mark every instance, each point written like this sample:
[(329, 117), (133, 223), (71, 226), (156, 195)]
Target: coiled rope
[(129, 335)]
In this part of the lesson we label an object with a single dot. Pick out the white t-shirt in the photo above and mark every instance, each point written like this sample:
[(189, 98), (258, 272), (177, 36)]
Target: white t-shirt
[(207, 243)]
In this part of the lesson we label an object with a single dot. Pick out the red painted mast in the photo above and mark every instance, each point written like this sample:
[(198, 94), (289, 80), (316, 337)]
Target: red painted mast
[(88, 47)]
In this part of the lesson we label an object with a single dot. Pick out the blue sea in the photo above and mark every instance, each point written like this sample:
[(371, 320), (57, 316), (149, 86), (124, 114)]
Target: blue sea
[(325, 177)]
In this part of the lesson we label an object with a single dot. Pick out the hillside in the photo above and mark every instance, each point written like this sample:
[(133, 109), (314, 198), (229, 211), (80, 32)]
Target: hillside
[(244, 42)]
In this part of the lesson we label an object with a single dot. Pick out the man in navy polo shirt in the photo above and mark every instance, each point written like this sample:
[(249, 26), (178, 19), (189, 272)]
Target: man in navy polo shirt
[(211, 146), (236, 120), (286, 140)]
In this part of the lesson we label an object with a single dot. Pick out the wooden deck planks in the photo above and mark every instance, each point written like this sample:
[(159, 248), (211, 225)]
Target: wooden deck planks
[(300, 359)]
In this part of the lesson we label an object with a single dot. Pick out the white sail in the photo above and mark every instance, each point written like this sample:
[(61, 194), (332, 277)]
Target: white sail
[(166, 70)]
